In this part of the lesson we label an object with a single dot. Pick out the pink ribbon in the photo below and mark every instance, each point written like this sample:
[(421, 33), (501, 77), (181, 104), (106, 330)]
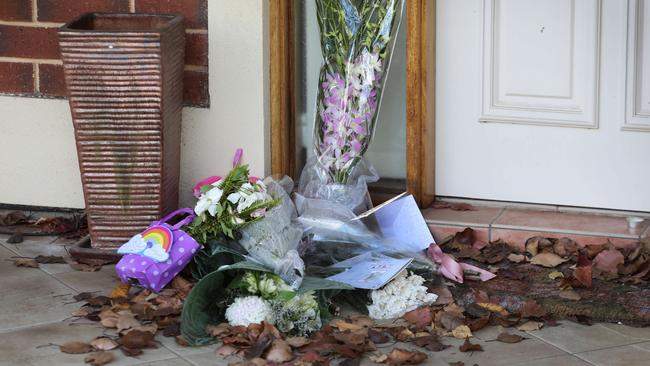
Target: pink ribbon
[(452, 269)]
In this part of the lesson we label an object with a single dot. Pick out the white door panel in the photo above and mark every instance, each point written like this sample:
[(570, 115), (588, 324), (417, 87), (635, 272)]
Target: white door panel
[(558, 74)]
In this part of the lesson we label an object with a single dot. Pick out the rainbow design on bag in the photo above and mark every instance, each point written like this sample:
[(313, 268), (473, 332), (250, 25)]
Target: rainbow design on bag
[(155, 243)]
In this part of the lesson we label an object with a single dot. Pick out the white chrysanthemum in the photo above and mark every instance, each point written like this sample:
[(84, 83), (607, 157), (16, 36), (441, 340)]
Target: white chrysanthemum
[(248, 310), (401, 295)]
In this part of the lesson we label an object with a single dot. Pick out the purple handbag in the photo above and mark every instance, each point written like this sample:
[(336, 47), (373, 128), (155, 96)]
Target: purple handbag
[(155, 256)]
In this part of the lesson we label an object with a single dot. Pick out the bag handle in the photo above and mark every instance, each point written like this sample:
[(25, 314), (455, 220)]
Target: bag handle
[(183, 222)]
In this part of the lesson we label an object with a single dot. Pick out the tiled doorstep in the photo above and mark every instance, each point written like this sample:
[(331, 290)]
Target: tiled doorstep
[(518, 223)]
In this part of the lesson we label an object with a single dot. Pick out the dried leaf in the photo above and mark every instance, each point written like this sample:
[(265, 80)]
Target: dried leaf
[(570, 295), (226, 350), (594, 249), (377, 336), (82, 296), (50, 259), (279, 352), (99, 358), (400, 356), (548, 260), (430, 342), (131, 352), (182, 285), (565, 247), (509, 338), (531, 309), (419, 317), (108, 318), (121, 291), (455, 206), (530, 326), (608, 260), (356, 338), (218, 330), (516, 258), (494, 308), (15, 238), (469, 347), (103, 344), (555, 275), (137, 340), (126, 320), (297, 342), (25, 262), (76, 348), (343, 325), (461, 332), (84, 267), (362, 320), (172, 330), (479, 323)]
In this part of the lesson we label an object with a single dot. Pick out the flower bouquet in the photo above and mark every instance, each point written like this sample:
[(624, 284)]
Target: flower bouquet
[(356, 42)]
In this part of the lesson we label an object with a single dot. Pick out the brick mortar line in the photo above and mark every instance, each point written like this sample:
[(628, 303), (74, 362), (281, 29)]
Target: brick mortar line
[(34, 11), (24, 60), (35, 24), (196, 31), (37, 78), (196, 68)]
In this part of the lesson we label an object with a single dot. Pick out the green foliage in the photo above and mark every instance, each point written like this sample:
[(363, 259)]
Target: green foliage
[(227, 220), (205, 305)]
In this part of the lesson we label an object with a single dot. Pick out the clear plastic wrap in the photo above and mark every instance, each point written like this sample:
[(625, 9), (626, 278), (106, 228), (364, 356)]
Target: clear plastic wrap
[(357, 39), (274, 240), (334, 234)]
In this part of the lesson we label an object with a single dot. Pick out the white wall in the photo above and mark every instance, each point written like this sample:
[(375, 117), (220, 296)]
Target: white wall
[(38, 161)]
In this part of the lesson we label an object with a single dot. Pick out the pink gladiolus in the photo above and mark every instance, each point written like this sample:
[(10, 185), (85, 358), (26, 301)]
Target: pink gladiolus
[(197, 188)]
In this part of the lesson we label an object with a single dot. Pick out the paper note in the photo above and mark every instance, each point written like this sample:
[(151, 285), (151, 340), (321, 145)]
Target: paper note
[(370, 270), (401, 221)]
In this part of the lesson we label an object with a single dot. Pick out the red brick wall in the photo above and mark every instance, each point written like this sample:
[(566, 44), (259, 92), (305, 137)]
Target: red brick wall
[(29, 52)]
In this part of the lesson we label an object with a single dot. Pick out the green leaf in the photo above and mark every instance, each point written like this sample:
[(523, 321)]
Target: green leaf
[(245, 265), (206, 188), (204, 305), (315, 284)]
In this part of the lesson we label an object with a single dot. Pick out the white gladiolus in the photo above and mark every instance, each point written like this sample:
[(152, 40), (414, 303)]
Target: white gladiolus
[(401, 295), (248, 310)]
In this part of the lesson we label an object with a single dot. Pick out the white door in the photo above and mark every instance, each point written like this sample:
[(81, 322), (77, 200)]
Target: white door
[(544, 101)]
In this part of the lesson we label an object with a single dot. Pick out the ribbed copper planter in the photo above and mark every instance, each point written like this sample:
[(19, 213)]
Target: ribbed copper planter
[(124, 77)]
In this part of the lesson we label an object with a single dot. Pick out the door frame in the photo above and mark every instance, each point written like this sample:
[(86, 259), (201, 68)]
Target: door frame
[(420, 93)]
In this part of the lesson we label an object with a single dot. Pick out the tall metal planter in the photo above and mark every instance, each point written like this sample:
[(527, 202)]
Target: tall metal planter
[(124, 77)]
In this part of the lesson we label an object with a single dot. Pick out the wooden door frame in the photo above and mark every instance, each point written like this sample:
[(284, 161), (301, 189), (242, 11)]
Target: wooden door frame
[(420, 93)]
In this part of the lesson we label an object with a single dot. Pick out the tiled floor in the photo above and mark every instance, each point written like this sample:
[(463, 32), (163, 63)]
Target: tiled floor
[(515, 223), (35, 311)]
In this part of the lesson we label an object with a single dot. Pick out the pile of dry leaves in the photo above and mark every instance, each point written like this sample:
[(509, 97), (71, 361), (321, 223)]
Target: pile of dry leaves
[(357, 336), (132, 318), (569, 279), (17, 224)]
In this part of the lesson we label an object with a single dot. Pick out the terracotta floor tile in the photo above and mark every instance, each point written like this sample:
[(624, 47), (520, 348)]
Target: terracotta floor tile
[(618, 356), (440, 232), (517, 238), (482, 216), (583, 224)]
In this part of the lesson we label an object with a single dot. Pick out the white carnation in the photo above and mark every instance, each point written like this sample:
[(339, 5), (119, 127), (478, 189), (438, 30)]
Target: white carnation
[(248, 310), (401, 295)]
